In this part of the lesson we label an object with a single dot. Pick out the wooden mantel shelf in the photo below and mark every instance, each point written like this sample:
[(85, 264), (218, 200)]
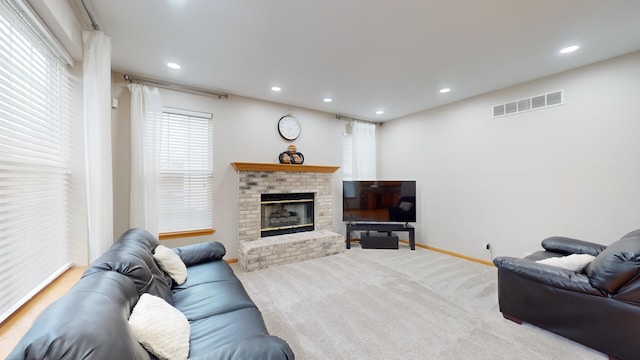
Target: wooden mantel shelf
[(258, 167)]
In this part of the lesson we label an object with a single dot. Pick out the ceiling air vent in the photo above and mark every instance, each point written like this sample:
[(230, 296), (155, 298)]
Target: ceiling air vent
[(528, 104), (539, 102), (554, 98)]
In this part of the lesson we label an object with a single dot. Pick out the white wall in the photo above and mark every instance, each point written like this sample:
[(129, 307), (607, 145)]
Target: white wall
[(571, 170), (60, 17), (244, 130)]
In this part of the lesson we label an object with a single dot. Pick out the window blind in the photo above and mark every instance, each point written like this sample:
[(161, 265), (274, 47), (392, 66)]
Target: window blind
[(34, 162), (186, 175)]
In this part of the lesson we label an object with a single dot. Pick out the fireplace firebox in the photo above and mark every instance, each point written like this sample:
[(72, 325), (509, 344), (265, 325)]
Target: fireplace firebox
[(286, 213)]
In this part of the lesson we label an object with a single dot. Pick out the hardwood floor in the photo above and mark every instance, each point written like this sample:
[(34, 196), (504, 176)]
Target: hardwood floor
[(12, 330)]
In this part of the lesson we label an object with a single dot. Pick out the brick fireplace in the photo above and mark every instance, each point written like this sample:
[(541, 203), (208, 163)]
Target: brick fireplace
[(257, 180)]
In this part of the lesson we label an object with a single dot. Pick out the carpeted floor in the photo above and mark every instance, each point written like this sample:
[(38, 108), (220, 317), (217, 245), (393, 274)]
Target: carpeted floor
[(396, 304)]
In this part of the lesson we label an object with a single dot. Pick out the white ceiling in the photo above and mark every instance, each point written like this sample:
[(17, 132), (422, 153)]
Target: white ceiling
[(367, 55)]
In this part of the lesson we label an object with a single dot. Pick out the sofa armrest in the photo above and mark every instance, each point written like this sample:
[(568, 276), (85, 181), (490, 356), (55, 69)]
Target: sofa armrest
[(567, 246), (546, 274), (199, 253)]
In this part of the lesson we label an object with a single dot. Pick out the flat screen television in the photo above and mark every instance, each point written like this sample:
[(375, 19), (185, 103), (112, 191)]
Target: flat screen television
[(379, 201)]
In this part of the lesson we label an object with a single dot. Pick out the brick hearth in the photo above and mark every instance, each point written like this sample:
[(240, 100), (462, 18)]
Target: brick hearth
[(255, 252)]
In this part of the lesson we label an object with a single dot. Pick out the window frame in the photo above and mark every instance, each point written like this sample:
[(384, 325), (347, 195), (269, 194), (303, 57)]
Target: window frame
[(175, 115)]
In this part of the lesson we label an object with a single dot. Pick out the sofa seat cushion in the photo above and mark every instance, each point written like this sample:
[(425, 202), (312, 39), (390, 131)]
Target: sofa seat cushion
[(213, 271), (210, 299), (617, 264), (211, 289), (215, 331)]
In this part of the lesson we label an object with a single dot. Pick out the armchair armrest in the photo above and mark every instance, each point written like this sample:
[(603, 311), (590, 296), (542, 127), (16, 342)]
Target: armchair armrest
[(567, 246), (546, 274), (199, 253)]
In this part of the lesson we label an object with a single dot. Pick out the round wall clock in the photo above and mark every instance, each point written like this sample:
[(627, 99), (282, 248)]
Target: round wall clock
[(289, 127)]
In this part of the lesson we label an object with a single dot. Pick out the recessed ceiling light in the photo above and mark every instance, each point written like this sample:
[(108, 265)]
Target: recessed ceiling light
[(174, 66), (327, 100), (444, 91), (379, 112), (569, 49), (275, 88)]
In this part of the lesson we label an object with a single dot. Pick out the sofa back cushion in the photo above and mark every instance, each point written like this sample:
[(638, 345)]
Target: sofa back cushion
[(132, 256), (618, 264)]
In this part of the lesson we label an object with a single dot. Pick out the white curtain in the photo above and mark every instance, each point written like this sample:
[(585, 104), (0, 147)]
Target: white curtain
[(97, 122), (364, 151), (146, 117)]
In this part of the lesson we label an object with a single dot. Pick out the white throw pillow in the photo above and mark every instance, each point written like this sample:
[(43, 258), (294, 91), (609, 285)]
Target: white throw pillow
[(573, 262), (171, 263), (162, 329)]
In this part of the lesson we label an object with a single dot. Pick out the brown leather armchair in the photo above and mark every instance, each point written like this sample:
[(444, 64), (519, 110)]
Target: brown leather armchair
[(598, 306)]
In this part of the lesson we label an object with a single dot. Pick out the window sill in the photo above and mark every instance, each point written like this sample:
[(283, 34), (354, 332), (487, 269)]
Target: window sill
[(185, 234)]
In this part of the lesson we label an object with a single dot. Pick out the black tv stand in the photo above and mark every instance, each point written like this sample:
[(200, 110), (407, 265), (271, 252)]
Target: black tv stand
[(382, 227)]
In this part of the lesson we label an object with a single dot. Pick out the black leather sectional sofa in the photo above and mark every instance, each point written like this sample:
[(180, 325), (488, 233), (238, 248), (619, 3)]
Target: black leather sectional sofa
[(598, 306), (91, 320)]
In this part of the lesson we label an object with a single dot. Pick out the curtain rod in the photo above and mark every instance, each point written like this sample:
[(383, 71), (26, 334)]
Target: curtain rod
[(342, 117), (94, 25), (175, 86)]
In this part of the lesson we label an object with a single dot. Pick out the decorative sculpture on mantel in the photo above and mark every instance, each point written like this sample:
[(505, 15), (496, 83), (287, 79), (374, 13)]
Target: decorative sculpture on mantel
[(291, 156)]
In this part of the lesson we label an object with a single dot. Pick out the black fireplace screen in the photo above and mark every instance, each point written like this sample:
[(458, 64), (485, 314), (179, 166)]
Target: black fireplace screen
[(286, 213)]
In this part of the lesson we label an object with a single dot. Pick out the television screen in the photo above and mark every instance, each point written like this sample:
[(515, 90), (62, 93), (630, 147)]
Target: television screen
[(379, 201)]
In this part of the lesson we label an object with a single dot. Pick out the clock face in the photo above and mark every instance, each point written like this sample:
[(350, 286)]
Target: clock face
[(289, 127)]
